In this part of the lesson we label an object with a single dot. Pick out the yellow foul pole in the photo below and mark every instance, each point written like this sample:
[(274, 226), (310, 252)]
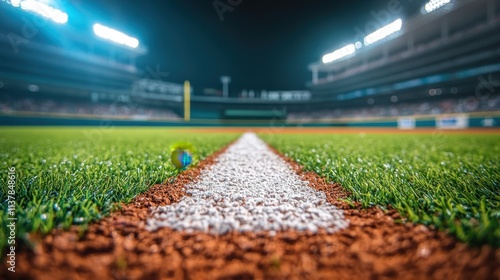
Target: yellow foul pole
[(187, 101)]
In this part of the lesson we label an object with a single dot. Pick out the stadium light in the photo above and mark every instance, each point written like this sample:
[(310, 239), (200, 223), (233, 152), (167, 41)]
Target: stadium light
[(115, 36), (15, 3), (43, 10), (433, 5), (384, 32), (340, 53)]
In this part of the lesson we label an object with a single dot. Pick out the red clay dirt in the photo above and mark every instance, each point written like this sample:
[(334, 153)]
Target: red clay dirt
[(374, 246)]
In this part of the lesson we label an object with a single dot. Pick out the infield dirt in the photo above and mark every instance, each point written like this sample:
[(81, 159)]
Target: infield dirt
[(375, 246)]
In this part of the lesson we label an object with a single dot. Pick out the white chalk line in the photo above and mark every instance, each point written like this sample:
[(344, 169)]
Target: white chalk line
[(249, 188)]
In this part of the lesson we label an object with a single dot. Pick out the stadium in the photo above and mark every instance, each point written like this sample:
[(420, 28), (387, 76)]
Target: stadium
[(384, 164)]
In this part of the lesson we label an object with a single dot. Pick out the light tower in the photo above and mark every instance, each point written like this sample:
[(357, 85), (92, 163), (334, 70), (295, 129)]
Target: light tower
[(225, 80)]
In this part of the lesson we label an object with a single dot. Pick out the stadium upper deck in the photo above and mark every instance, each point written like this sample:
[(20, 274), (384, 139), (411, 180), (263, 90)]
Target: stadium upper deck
[(57, 51), (448, 48)]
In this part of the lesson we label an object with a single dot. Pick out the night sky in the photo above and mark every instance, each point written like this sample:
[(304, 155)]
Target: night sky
[(261, 44)]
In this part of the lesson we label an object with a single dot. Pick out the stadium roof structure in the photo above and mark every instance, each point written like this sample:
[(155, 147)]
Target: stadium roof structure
[(64, 25), (449, 46), (56, 48)]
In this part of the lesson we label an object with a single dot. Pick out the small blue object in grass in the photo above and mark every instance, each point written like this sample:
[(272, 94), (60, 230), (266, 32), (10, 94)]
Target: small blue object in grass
[(182, 155)]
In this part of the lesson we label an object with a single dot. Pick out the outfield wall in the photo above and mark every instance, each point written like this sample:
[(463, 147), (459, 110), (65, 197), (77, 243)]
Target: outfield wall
[(455, 121)]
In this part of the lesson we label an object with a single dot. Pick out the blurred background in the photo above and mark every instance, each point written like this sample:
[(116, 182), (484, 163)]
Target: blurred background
[(390, 63)]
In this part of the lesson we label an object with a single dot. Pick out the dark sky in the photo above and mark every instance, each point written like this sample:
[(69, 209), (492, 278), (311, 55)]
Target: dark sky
[(261, 44)]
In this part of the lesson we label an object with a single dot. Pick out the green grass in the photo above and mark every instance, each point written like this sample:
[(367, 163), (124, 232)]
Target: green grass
[(68, 176), (449, 181)]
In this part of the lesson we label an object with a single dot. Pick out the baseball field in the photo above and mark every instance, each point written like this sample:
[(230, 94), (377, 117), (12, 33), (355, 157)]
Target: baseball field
[(327, 203)]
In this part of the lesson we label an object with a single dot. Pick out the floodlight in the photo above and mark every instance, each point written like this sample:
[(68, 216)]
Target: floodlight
[(115, 36), (15, 3), (340, 53), (433, 5), (384, 32), (43, 10)]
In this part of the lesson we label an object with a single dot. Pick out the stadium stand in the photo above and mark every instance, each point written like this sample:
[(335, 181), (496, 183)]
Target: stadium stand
[(437, 63), (82, 109), (447, 106)]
